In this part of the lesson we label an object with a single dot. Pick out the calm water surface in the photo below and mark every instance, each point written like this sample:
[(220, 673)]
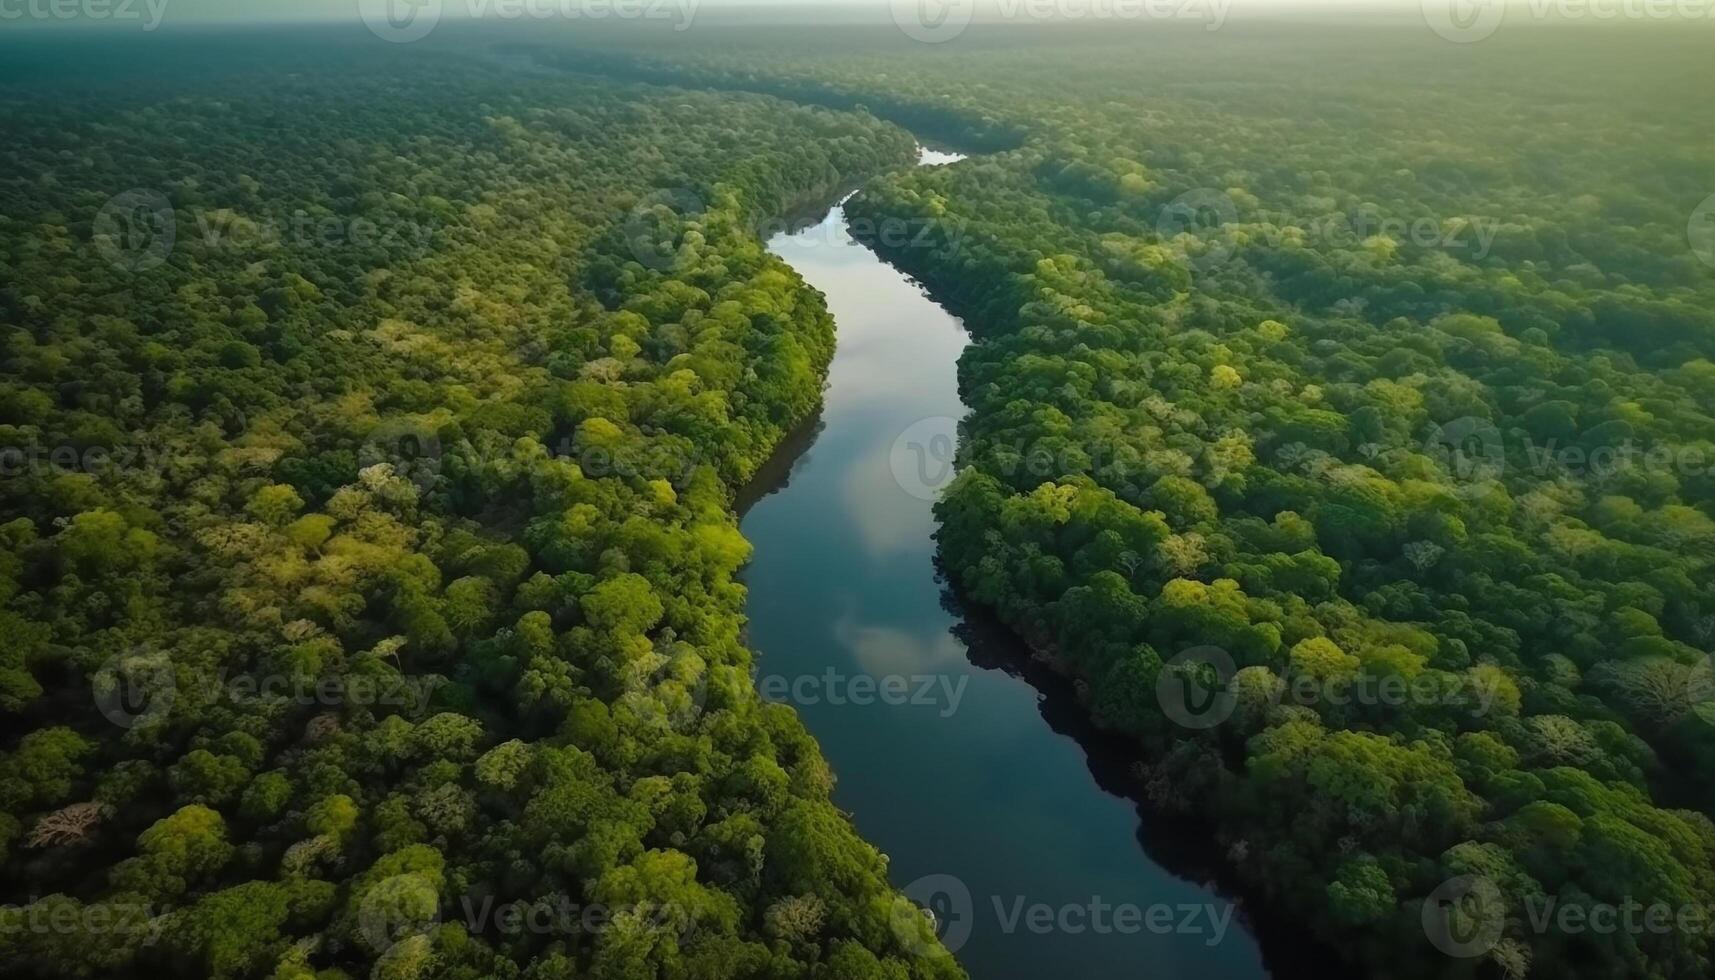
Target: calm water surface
[(962, 773)]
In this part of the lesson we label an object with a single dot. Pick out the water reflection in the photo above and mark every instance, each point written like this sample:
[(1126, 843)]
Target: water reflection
[(945, 763)]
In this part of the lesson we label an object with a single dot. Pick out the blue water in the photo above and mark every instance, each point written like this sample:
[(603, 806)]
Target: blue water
[(984, 807)]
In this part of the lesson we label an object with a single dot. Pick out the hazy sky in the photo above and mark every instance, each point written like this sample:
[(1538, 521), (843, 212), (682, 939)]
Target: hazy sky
[(1452, 16), (184, 11), (275, 10)]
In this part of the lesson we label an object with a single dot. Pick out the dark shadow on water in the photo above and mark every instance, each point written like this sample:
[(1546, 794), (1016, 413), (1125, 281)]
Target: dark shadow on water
[(775, 473), (1181, 845)]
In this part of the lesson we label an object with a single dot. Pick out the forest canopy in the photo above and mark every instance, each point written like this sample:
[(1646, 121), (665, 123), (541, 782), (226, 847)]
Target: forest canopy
[(372, 427), (1314, 364)]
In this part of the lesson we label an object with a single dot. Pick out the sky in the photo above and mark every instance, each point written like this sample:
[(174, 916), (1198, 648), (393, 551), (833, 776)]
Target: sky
[(26, 12), (1459, 18), (313, 10)]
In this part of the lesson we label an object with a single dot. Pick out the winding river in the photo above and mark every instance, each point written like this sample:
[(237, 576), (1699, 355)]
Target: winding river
[(1001, 810)]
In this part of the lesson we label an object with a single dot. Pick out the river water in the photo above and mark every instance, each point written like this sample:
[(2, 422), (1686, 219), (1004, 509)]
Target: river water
[(954, 756)]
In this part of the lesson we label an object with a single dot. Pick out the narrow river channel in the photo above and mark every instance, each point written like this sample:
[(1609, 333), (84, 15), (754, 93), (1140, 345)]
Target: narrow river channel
[(986, 793)]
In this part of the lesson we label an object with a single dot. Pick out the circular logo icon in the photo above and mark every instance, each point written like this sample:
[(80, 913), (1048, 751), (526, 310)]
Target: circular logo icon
[(1193, 688), (136, 689), (400, 21), (921, 458), (655, 228), (397, 908), (135, 231), (412, 448), (1700, 231), (1465, 916), (933, 916), (1199, 213), (1464, 21), (673, 694), (933, 21), (1473, 452)]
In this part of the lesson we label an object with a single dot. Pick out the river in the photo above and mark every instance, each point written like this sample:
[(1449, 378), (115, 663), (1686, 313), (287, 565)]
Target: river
[(998, 806)]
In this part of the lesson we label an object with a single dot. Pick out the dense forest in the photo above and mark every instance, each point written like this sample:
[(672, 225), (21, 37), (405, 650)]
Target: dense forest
[(1367, 384), (1341, 419), (371, 425)]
